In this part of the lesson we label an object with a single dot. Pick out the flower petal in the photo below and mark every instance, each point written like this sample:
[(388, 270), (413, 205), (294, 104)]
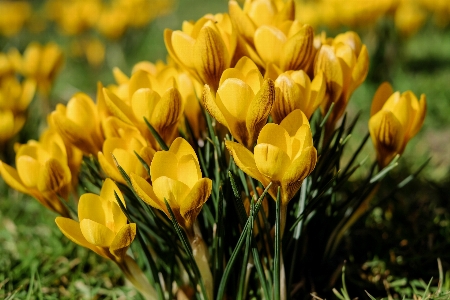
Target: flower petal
[(271, 161), (193, 203), (173, 191), (12, 178), (143, 103), (96, 234), (383, 93), (146, 193), (210, 105), (245, 160), (93, 207), (108, 189), (298, 49), (188, 170), (123, 240), (269, 42)]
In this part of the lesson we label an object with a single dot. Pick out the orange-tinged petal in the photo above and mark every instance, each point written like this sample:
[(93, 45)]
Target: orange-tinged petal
[(271, 161), (173, 191), (167, 113), (361, 68), (245, 160), (269, 43), (419, 117), (383, 93), (146, 193), (96, 234), (53, 176), (123, 240), (328, 63), (193, 203), (164, 163), (71, 229), (301, 167)]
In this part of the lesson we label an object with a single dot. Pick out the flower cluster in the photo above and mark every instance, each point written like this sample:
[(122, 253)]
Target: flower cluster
[(235, 98)]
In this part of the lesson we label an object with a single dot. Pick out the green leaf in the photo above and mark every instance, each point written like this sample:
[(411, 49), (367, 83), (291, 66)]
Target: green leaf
[(156, 135), (277, 258)]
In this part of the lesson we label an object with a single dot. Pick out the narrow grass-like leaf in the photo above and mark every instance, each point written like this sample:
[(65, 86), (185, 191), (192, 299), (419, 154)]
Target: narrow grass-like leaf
[(370, 296), (187, 248), (143, 163), (386, 170), (237, 248), (240, 208), (277, 257), (355, 154), (327, 115), (242, 281), (156, 135)]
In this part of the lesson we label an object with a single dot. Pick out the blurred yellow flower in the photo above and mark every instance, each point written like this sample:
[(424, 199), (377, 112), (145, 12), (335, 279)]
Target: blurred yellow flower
[(204, 48), (79, 123), (14, 100), (13, 15), (344, 62), (284, 155), (243, 101), (42, 63), (297, 91), (42, 172), (177, 178), (395, 119)]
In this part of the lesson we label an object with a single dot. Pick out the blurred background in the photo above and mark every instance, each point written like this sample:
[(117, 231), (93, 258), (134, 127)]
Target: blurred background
[(68, 46)]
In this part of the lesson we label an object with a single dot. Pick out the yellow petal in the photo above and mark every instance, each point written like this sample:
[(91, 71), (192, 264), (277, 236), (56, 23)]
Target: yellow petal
[(328, 63), (29, 170), (271, 161), (164, 164), (287, 98), (119, 76), (188, 170), (12, 178), (361, 68), (123, 240), (243, 23), (183, 47), (276, 135), (294, 121), (301, 167), (298, 49), (138, 80), (383, 93), (108, 189), (193, 203), (71, 229), (180, 147), (210, 105), (109, 168), (53, 176), (269, 43), (419, 117), (146, 193), (96, 234), (259, 110), (167, 113), (93, 207), (210, 57), (173, 191), (387, 135), (117, 107), (236, 96), (245, 160), (143, 103)]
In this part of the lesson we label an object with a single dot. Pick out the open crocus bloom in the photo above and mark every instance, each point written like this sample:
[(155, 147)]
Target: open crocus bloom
[(395, 119), (176, 178), (103, 226), (243, 101), (284, 155)]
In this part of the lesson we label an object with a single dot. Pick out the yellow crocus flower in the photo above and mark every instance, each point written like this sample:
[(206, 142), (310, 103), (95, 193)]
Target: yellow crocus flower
[(284, 155), (13, 15), (289, 46), (344, 62), (14, 100), (177, 178), (243, 101), (42, 172), (103, 228), (297, 91), (395, 119), (79, 123), (42, 63), (205, 48), (124, 150)]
